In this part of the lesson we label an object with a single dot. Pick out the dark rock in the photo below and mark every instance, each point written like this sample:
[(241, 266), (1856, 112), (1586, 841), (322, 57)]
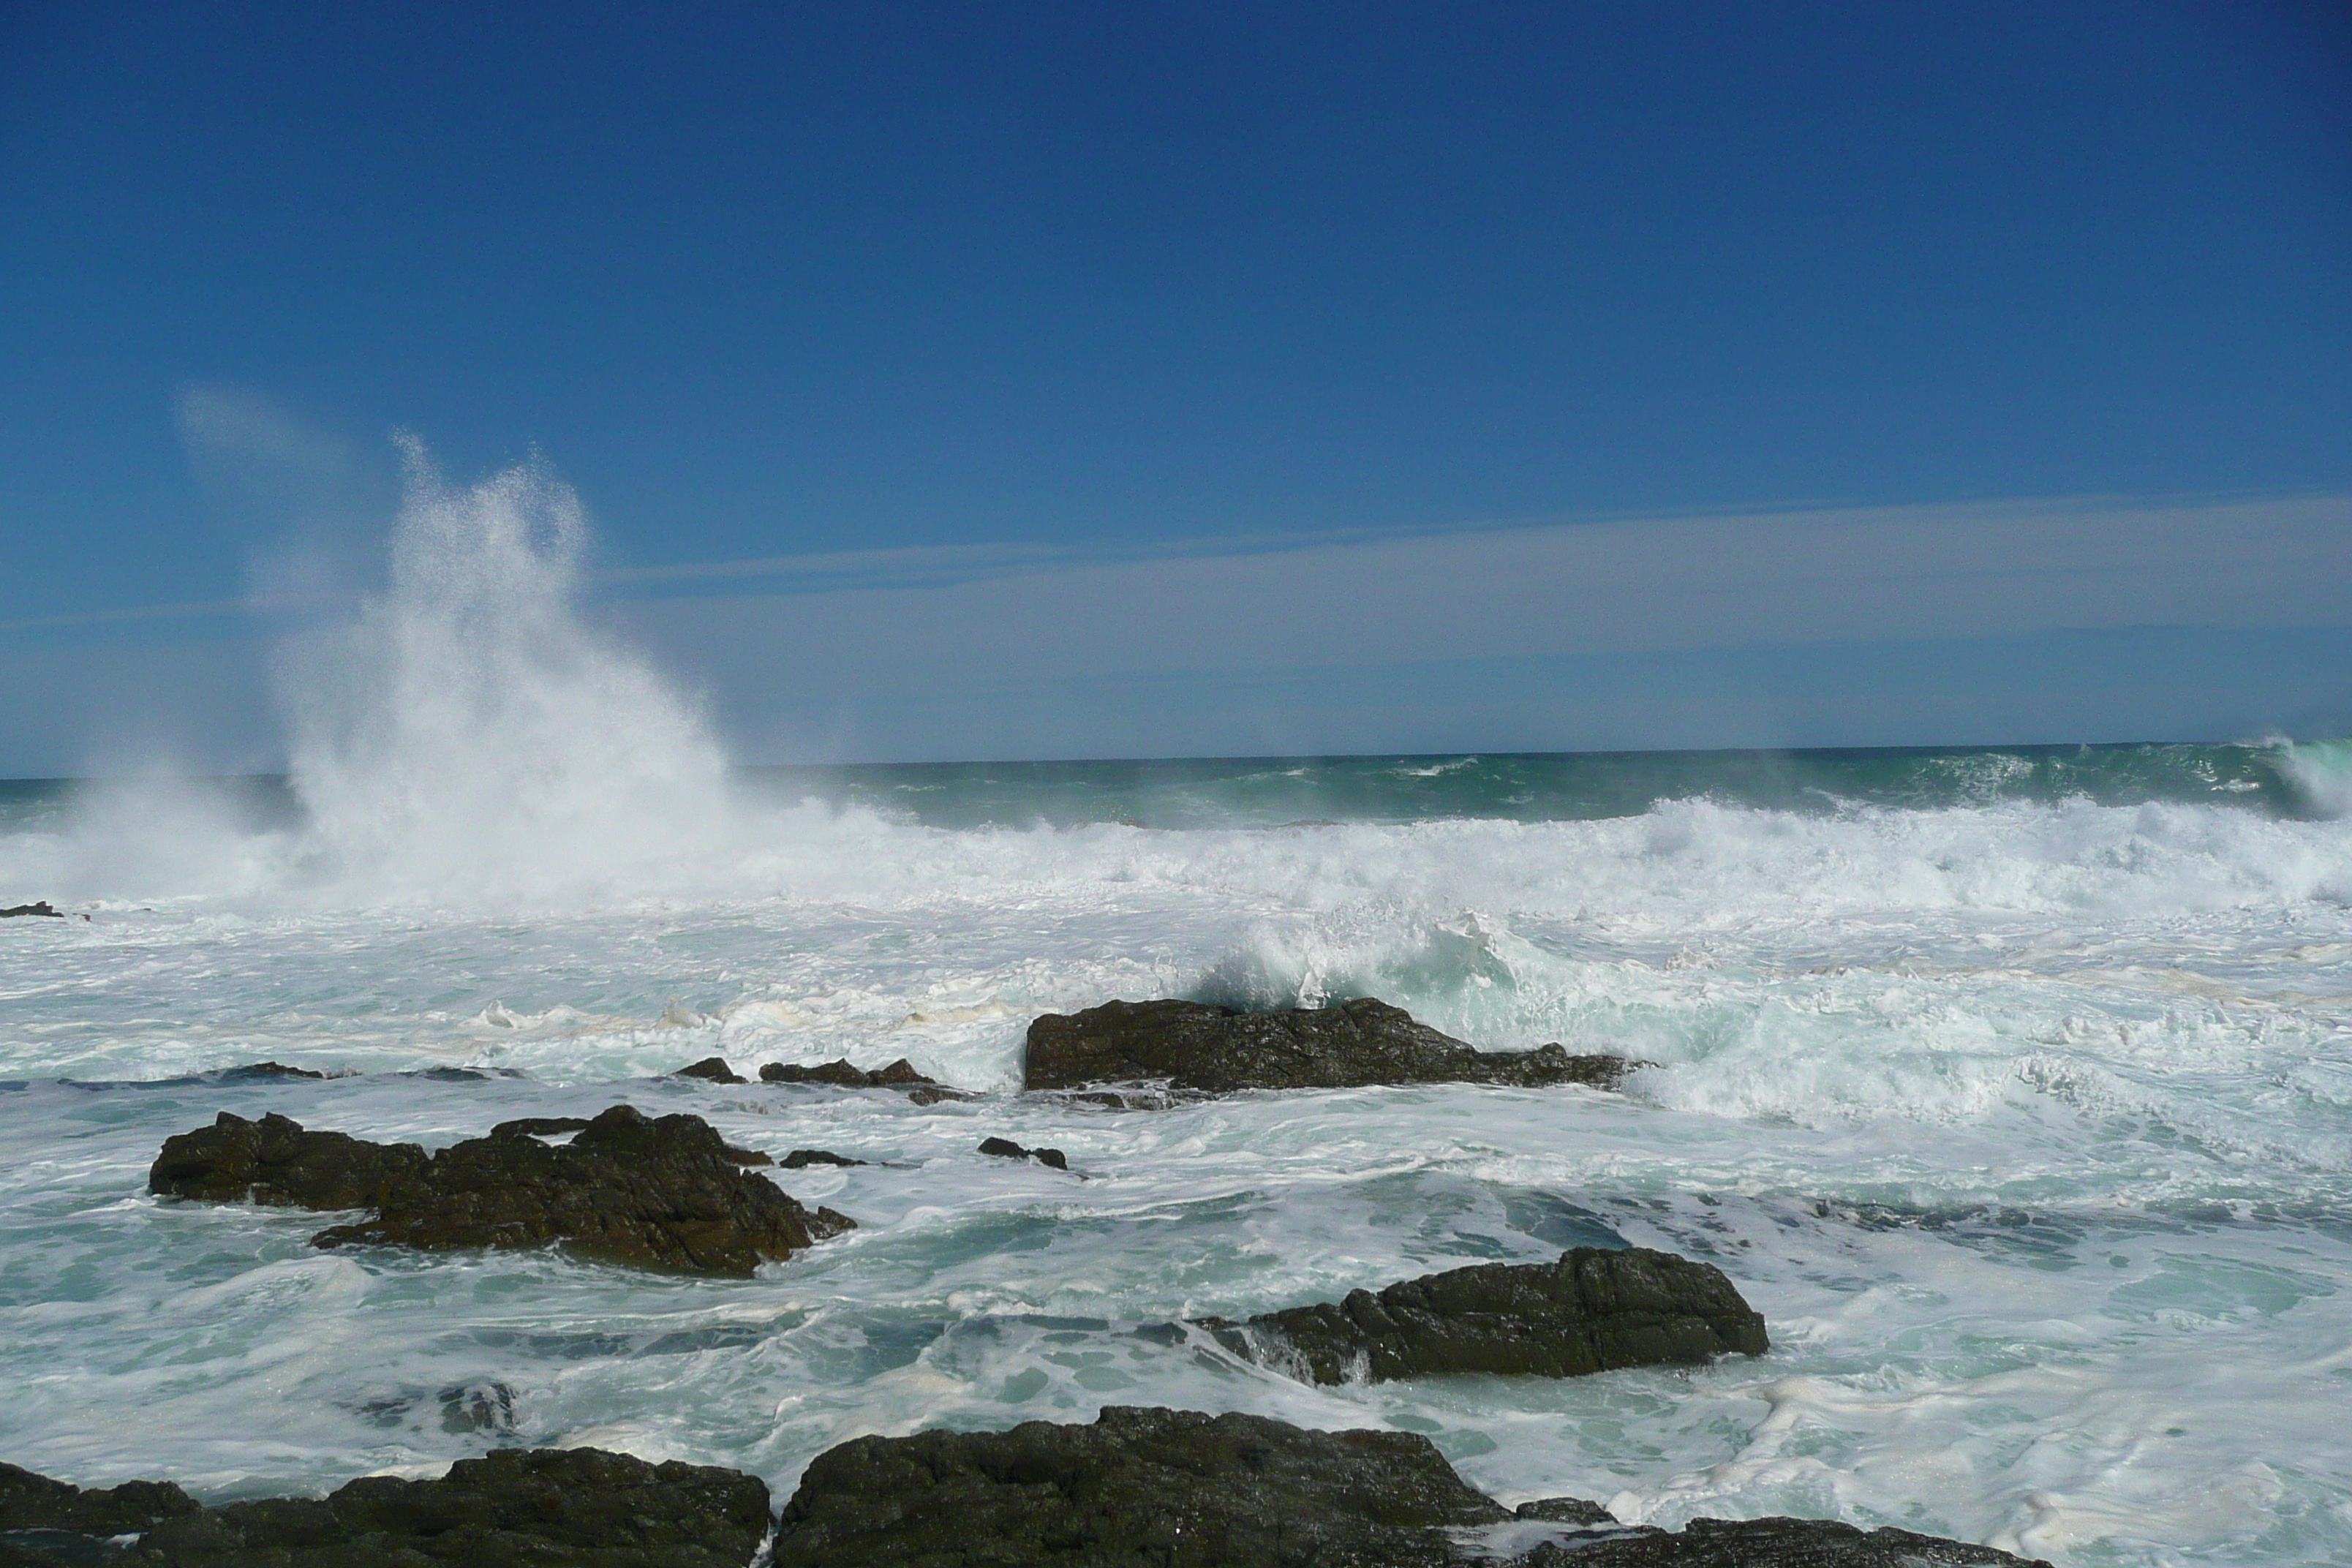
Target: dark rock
[(574, 1508), (1218, 1050), (275, 1162), (714, 1068), (660, 1193), (657, 1193), (1765, 1544), (1592, 1311), (1175, 1489), (477, 1408), (265, 1070), (41, 910), (29, 1501), (1563, 1511), (801, 1159), (1006, 1149)]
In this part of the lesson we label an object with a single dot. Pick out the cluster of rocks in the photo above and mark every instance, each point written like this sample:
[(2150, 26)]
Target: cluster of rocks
[(1221, 1050), (654, 1191), (899, 1075), (1174, 1489), (42, 910)]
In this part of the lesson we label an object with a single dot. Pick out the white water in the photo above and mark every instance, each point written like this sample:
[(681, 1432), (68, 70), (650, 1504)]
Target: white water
[(2026, 1127)]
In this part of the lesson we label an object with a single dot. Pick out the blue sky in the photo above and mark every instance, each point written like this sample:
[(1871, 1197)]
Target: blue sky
[(960, 314)]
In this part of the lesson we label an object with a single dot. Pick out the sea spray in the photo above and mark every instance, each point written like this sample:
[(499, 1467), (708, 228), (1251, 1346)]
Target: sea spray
[(470, 734)]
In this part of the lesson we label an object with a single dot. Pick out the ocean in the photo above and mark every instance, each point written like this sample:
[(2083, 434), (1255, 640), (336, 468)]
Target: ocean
[(2013, 1087)]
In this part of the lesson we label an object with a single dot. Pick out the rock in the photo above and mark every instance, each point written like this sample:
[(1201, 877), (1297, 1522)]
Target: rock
[(1006, 1149), (1765, 1544), (658, 1193), (899, 1075), (41, 910), (574, 1508), (29, 1501), (265, 1070), (714, 1068), (1218, 1050), (1592, 1311), (275, 1162), (801, 1159), (1176, 1488)]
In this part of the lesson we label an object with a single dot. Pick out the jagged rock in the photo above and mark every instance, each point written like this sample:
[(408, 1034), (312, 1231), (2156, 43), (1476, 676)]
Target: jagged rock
[(575, 1507), (1592, 1311), (1218, 1050), (801, 1159), (1006, 1149), (714, 1068), (43, 909), (899, 1075), (1176, 1488), (275, 1162), (660, 1193), (29, 1501), (252, 1071)]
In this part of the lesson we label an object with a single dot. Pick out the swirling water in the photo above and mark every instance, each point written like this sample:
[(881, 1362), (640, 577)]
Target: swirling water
[(2013, 1087)]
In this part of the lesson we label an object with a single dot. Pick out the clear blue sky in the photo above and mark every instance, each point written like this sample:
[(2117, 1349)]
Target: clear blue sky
[(766, 281)]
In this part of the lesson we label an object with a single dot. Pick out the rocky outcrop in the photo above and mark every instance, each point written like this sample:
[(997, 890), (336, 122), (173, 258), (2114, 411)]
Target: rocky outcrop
[(1006, 1149), (801, 1159), (1592, 1311), (712, 1068), (1218, 1050), (560, 1506), (658, 1193), (1176, 1488), (41, 911), (274, 1161), (899, 1075)]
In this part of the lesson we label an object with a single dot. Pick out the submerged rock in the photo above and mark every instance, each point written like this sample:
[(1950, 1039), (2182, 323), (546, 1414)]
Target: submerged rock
[(713, 1069), (1218, 1050), (560, 1506), (657, 1193), (274, 1161), (1006, 1149), (801, 1159), (1592, 1311), (1176, 1488)]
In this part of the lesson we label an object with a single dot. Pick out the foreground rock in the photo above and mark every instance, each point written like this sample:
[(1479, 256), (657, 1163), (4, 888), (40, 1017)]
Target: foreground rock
[(1218, 1050), (1592, 1311), (1175, 1489), (554, 1507), (899, 1075), (658, 1193)]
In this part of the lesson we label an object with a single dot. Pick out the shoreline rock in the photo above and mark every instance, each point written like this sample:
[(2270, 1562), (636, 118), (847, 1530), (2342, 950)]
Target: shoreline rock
[(554, 1506), (899, 1075), (1594, 1310), (40, 909), (662, 1193), (1221, 1050), (1177, 1488), (712, 1068)]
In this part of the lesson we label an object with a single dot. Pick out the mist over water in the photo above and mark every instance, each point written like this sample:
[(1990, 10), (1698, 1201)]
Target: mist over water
[(2014, 1087)]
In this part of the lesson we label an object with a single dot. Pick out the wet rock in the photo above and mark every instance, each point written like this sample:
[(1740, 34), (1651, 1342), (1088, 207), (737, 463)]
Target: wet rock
[(275, 1162), (29, 1501), (574, 1508), (1006, 1149), (1176, 1488), (713, 1069), (801, 1159), (1764, 1543), (477, 1408), (657, 1193), (652, 1192), (1592, 1311), (899, 1075), (263, 1071), (1219, 1050), (42, 910)]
